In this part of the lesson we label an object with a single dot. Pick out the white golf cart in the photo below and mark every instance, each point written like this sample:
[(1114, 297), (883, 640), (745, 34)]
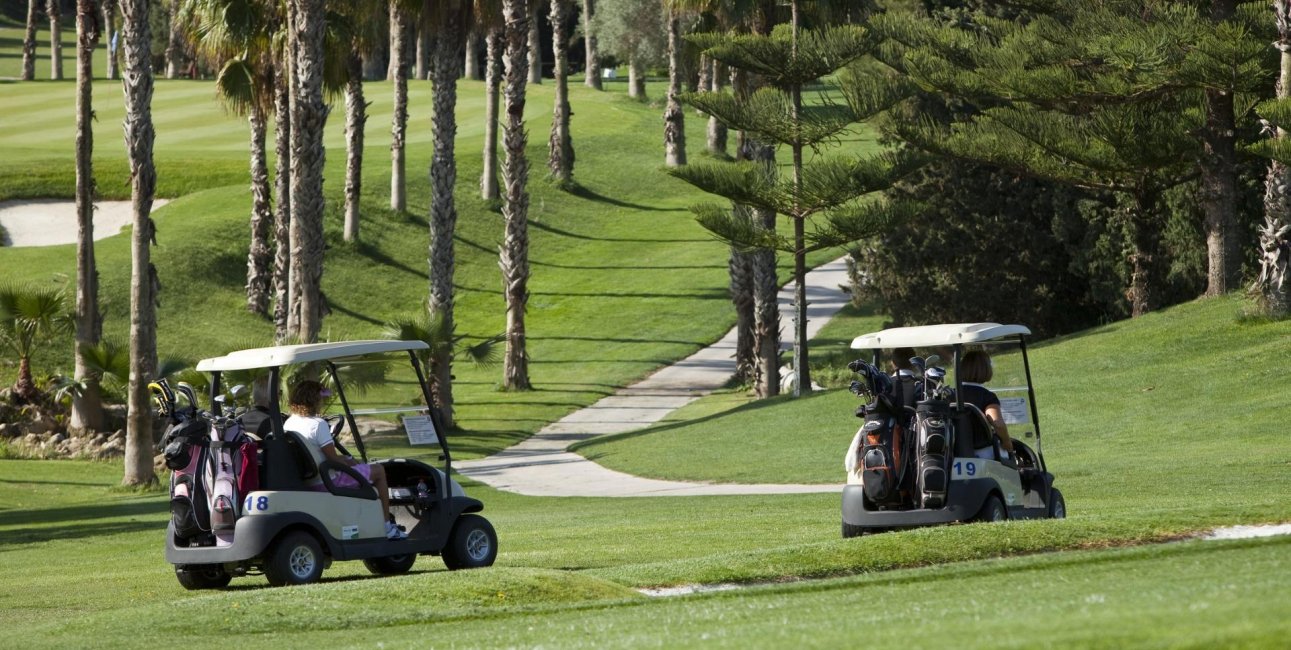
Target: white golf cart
[(918, 461), (294, 519)]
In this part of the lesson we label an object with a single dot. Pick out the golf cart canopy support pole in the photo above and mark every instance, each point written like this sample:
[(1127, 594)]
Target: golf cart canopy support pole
[(434, 418), (1035, 412), (345, 406)]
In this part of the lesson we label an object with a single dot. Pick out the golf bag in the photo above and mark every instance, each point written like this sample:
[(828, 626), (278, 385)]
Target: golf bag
[(880, 472), (185, 450), (933, 431), (231, 472)]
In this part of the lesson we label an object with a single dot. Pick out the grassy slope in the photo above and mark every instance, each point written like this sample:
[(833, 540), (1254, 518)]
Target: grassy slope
[(623, 279)]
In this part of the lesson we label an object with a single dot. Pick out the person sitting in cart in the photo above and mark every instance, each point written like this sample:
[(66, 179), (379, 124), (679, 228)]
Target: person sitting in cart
[(305, 401), (977, 370)]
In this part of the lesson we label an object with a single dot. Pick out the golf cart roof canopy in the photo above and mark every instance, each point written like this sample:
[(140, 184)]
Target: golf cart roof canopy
[(927, 336), (287, 354)]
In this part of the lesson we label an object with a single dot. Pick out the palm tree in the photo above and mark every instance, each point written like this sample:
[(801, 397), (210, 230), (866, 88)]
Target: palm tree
[(109, 8), (1273, 286), (674, 118), (308, 118), (560, 147), (55, 14), (514, 251), (592, 71), (444, 344), (238, 37), (137, 79), (492, 82), (176, 44), (355, 119), (29, 315), (87, 406), (472, 65), (535, 42), (399, 23), (282, 189), (450, 18), (29, 41)]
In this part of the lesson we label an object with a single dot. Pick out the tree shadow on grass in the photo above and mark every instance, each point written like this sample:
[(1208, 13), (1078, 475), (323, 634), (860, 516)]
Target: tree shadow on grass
[(376, 255), (33, 481), (354, 314), (584, 192), (83, 512), (565, 233)]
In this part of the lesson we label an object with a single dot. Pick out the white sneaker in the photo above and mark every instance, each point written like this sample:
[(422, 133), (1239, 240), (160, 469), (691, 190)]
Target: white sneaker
[(393, 531)]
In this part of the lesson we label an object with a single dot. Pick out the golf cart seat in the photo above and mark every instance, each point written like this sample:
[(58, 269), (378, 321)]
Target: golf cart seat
[(287, 464), (980, 434)]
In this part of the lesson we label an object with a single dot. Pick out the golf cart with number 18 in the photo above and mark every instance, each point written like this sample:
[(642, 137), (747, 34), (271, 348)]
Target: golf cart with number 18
[(245, 503)]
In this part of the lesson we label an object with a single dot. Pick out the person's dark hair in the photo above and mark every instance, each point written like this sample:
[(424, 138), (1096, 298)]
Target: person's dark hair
[(976, 367), (306, 397), (901, 358)]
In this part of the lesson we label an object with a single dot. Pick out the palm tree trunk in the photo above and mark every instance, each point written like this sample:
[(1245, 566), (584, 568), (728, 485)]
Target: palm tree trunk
[(766, 289), (636, 79), (443, 209), (29, 41), (492, 80), (137, 79), (424, 45), (110, 30), (674, 118), (355, 119), (472, 67), (1144, 225), (24, 387), (1219, 179), (716, 130), (399, 119), (260, 255), (704, 76), (1273, 284), (282, 211), (535, 42), (55, 14), (175, 43), (87, 406), (740, 268), (592, 72), (309, 117), (514, 252), (560, 147)]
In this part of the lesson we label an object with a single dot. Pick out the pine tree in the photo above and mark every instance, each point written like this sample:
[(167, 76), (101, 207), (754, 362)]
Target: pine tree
[(828, 189)]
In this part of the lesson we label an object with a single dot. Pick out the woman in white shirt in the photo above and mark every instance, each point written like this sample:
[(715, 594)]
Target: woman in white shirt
[(305, 401)]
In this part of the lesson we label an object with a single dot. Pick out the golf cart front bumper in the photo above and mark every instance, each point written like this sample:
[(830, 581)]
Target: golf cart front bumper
[(962, 503)]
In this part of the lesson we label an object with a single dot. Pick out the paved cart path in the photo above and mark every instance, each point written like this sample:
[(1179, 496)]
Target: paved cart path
[(540, 466)]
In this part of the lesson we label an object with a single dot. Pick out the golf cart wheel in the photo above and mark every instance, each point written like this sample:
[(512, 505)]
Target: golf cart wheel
[(1057, 506), (295, 560), (850, 531), (992, 510), (205, 576), (471, 545), (391, 564)]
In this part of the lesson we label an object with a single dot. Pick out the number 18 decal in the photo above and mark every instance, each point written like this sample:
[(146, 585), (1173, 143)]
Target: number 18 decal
[(255, 503), (966, 468)]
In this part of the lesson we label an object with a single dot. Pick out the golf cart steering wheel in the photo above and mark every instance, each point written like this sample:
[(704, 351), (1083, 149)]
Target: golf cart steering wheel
[(337, 423)]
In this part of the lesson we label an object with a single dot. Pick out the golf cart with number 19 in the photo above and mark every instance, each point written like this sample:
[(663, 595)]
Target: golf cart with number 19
[(266, 503), (924, 456)]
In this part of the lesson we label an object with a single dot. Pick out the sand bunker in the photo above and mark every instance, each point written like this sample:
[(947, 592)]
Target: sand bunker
[(51, 222)]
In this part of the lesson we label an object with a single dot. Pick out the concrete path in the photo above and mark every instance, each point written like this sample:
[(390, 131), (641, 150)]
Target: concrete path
[(51, 222), (540, 466)]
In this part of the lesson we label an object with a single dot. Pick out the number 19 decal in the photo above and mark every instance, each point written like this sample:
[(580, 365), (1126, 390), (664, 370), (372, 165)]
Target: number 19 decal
[(255, 503), (968, 468)]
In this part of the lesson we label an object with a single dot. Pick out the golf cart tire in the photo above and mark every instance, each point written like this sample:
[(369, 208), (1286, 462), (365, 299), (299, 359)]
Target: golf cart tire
[(1057, 506), (391, 565), (211, 576), (296, 559), (850, 531), (992, 510), (472, 544)]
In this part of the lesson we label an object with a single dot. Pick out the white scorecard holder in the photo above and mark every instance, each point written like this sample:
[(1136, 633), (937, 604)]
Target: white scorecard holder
[(421, 430), (1014, 410)]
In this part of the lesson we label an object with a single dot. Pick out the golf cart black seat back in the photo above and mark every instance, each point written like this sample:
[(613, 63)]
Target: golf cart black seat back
[(286, 464), (972, 431)]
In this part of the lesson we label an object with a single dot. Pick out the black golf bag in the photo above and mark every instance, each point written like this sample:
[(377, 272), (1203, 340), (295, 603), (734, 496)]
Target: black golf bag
[(932, 431), (185, 449)]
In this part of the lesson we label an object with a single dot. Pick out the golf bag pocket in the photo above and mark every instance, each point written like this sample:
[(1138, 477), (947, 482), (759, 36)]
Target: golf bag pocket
[(231, 471), (878, 471), (189, 510)]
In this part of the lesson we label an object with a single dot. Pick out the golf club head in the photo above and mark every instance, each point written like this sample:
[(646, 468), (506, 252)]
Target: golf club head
[(164, 397), (935, 375), (858, 366), (918, 363), (931, 360), (187, 391), (857, 388)]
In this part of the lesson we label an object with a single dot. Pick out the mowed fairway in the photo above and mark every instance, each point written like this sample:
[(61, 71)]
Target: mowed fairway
[(1157, 429)]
